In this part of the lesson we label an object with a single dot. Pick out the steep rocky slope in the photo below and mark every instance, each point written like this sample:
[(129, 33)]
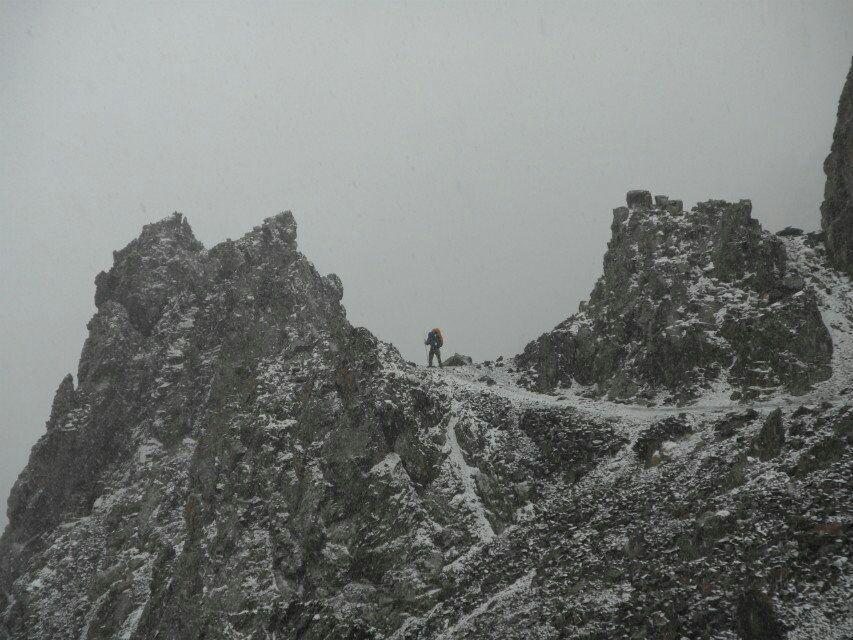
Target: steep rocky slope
[(837, 208), (688, 300), (237, 461)]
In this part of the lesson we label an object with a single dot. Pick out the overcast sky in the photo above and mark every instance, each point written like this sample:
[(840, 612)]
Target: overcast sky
[(455, 164)]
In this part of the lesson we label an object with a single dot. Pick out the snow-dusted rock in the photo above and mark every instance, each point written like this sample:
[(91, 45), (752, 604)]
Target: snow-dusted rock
[(457, 360), (238, 461), (639, 199), (687, 302)]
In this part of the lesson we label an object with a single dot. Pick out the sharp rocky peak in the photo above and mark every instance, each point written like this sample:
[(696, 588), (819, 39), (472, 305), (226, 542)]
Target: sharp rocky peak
[(837, 207), (688, 300), (166, 262)]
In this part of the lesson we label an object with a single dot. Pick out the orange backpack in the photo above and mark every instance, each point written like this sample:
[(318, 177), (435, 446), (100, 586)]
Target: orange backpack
[(438, 335)]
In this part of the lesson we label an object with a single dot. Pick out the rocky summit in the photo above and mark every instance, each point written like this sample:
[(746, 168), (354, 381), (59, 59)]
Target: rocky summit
[(690, 303), (235, 461)]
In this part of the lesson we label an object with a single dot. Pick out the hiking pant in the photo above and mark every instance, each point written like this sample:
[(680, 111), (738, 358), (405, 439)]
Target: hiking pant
[(434, 351)]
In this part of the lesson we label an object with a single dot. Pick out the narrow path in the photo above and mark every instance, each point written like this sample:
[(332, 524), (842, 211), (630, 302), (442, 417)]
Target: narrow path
[(834, 293)]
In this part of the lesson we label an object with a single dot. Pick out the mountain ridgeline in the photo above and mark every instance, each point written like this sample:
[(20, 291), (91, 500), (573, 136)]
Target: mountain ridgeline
[(237, 461)]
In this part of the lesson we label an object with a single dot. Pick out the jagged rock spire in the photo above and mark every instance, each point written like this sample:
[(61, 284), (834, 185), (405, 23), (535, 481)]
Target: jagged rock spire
[(837, 208)]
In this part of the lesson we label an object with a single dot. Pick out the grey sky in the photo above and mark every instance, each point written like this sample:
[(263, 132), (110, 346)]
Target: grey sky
[(455, 164)]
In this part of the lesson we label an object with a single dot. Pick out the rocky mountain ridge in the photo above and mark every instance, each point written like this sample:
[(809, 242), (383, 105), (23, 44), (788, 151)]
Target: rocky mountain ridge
[(237, 461)]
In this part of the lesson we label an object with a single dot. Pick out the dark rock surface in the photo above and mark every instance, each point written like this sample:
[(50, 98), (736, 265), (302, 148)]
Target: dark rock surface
[(457, 360), (64, 401), (238, 461), (790, 231), (686, 301), (837, 208), (770, 440)]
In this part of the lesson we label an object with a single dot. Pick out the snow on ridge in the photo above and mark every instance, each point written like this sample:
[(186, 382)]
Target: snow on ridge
[(466, 475)]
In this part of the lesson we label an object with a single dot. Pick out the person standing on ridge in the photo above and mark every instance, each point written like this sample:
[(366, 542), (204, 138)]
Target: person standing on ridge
[(435, 341)]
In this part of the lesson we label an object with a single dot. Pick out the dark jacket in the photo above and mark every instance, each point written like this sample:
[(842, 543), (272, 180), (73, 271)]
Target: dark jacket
[(432, 340)]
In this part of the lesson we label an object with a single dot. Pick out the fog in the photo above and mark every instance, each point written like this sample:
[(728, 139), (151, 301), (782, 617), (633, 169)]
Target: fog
[(455, 164)]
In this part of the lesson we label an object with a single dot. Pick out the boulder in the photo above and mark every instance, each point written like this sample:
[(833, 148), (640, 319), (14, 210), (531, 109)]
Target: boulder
[(768, 443), (790, 232), (651, 440), (457, 360), (638, 199), (489, 381), (755, 617), (675, 207), (734, 422), (815, 239)]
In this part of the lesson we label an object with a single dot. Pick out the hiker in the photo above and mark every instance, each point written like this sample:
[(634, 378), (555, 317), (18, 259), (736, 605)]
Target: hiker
[(435, 341)]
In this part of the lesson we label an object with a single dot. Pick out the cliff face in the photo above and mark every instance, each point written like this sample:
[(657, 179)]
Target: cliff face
[(837, 208), (237, 461), (688, 301)]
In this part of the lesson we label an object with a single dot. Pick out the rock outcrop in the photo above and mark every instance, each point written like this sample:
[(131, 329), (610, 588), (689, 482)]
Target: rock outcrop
[(238, 461), (687, 301), (457, 360), (837, 208), (181, 344)]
